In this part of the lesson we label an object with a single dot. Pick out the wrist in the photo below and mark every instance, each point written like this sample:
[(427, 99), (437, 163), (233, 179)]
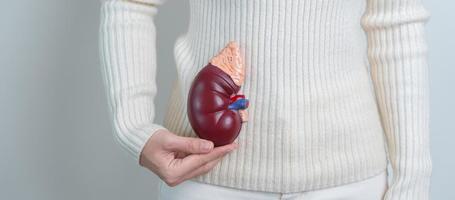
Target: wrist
[(149, 144)]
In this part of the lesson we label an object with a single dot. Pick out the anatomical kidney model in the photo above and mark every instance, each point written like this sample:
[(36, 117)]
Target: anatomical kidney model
[(216, 110)]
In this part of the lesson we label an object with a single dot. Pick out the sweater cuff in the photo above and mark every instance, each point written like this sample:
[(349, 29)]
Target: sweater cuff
[(147, 2), (134, 146), (151, 2), (409, 187)]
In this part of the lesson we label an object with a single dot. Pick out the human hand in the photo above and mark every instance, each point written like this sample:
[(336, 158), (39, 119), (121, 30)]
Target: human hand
[(175, 159)]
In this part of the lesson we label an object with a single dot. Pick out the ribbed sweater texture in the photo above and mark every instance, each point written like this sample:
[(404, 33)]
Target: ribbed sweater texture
[(337, 88)]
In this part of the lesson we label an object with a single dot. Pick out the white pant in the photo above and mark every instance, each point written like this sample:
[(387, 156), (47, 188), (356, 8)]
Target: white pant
[(369, 189)]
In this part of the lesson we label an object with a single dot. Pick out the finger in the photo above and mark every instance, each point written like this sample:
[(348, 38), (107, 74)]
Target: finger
[(195, 161), (188, 145), (199, 171), (202, 169)]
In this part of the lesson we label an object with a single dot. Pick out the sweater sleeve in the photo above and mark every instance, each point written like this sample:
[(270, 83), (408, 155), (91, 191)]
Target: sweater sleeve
[(128, 57), (397, 53)]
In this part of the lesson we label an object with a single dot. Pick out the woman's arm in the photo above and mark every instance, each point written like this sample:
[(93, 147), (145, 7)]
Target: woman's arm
[(397, 53), (128, 56)]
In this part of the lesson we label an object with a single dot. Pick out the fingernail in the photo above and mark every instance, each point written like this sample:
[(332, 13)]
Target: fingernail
[(206, 146)]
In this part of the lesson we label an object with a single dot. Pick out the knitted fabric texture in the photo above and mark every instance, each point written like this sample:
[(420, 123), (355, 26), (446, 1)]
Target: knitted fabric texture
[(338, 88)]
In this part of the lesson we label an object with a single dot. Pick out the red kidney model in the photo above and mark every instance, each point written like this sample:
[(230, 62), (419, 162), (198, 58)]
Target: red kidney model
[(216, 110)]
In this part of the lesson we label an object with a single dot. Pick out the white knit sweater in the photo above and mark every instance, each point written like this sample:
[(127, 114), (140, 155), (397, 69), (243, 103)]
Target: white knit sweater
[(318, 116)]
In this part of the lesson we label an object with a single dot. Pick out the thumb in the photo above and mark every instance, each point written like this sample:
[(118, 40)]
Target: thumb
[(189, 145)]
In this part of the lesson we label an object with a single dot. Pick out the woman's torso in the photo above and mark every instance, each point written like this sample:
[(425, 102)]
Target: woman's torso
[(313, 120)]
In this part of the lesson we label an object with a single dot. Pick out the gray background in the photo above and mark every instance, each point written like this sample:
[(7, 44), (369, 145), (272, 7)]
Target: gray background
[(56, 141)]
